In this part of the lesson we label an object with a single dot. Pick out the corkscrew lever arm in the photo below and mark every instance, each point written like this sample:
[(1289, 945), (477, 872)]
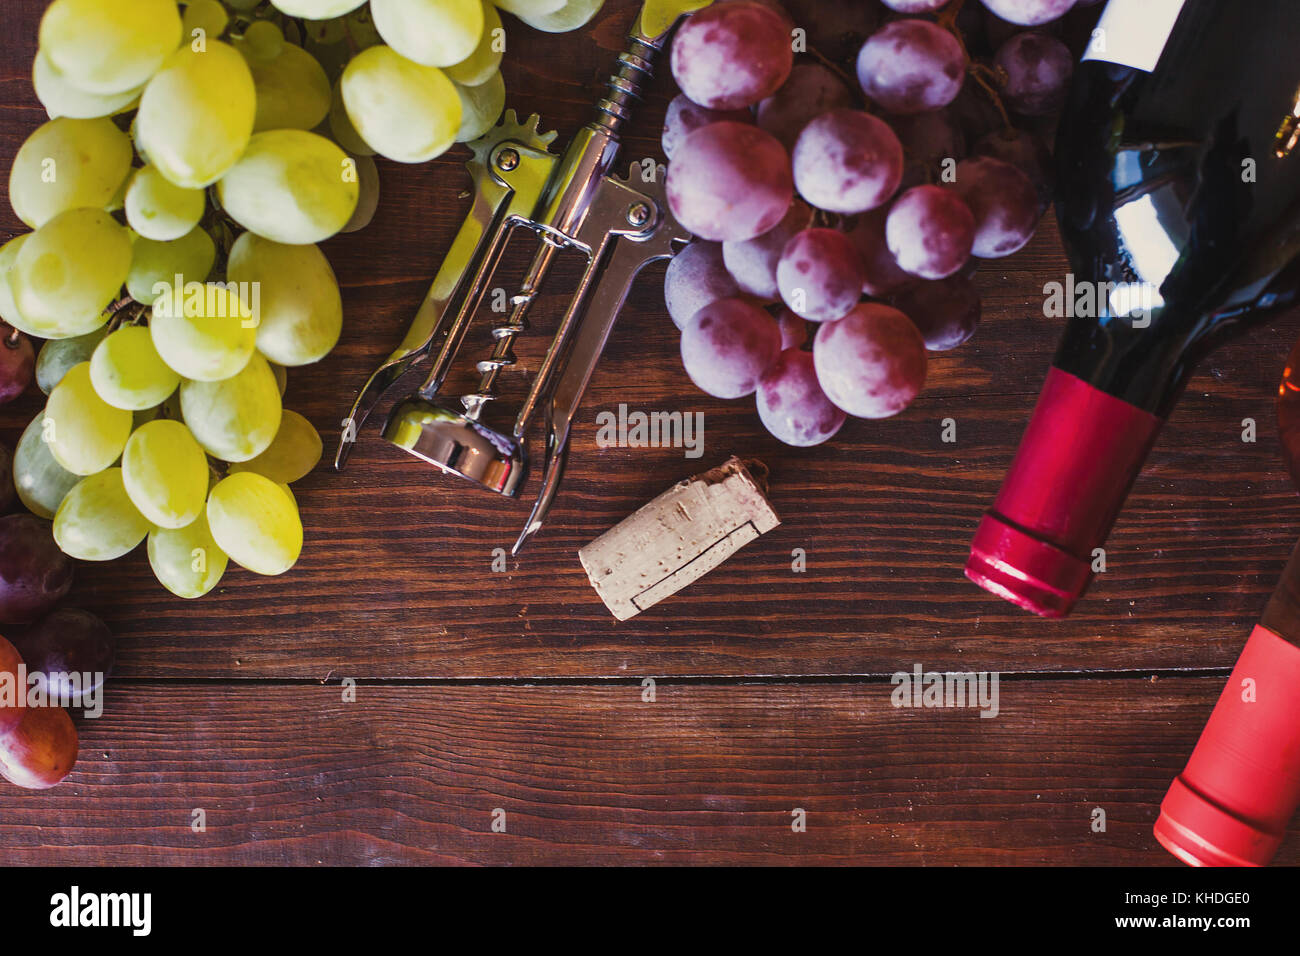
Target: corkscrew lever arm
[(618, 261)]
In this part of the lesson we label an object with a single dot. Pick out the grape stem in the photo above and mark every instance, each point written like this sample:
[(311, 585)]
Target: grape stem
[(831, 65), (983, 75), (980, 73)]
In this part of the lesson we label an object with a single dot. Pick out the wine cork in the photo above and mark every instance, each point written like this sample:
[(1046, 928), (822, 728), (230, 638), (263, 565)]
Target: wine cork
[(679, 537)]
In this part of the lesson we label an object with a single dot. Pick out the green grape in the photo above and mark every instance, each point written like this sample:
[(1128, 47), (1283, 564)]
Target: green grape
[(301, 310), (109, 46), (118, 202), (291, 186), (293, 454), (208, 335), (316, 9), (61, 98), (196, 114), (84, 432), (481, 107), (127, 371), (263, 40), (59, 355), (68, 272), (235, 419), (406, 112), (97, 521), (155, 265), (206, 15), (67, 164), (242, 5), (480, 65), (8, 254), (573, 14), (341, 128), (187, 561), (531, 8), (166, 474), (368, 201), (256, 523), (41, 481), (293, 91), (159, 210), (431, 32)]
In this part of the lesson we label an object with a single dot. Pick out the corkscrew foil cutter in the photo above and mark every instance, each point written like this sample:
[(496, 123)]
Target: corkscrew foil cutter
[(573, 203)]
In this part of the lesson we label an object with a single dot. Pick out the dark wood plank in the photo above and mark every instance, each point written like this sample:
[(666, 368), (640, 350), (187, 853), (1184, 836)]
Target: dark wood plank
[(292, 775), (396, 578)]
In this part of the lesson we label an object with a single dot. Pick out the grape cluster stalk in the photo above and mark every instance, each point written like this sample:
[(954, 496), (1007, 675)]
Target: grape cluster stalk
[(844, 169)]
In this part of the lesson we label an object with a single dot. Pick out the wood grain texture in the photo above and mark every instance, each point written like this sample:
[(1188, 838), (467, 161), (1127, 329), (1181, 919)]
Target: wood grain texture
[(292, 775), (396, 576), (216, 704)]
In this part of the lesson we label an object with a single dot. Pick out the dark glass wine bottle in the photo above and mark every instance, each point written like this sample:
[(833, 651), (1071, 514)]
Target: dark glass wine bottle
[(1179, 204), (1231, 805)]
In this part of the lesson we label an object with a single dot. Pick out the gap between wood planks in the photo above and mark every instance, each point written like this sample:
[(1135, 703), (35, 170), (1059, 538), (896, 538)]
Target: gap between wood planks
[(680, 681)]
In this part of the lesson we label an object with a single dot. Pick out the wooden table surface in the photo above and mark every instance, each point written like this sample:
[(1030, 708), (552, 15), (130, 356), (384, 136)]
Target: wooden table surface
[(481, 694)]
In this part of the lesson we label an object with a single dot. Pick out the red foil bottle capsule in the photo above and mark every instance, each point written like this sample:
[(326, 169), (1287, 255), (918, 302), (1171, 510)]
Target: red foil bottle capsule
[(1076, 463), (1171, 251), (1231, 805)]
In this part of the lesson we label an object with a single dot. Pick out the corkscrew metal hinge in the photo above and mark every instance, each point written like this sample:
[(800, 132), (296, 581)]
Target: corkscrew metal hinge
[(573, 203)]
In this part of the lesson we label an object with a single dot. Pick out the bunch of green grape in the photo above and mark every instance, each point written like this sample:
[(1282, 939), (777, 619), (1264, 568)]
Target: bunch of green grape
[(195, 156)]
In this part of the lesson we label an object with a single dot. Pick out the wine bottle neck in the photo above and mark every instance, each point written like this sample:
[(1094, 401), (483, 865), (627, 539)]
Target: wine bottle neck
[(1282, 615)]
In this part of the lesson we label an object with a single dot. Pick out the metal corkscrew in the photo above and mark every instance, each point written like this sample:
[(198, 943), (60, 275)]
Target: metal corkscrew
[(573, 203)]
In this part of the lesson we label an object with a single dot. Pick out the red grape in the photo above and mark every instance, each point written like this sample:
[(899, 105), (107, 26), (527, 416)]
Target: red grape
[(41, 750), (871, 363), (882, 271), (64, 642), (727, 346), (847, 161), (729, 181), (1029, 13), (1004, 203), (836, 30), (929, 139), (11, 708), (976, 113), (820, 275), (914, 6), (793, 406), (910, 66), (930, 231), (774, 5), (1029, 154), (34, 574), (731, 55), (696, 277), (684, 117), (17, 364), (946, 312), (753, 263), (794, 330), (810, 91), (1038, 70)]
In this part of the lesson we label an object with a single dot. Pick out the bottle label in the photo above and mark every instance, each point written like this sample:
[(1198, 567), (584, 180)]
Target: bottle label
[(1134, 33)]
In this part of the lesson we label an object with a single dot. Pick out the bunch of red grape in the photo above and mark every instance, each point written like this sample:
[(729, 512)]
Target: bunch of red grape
[(38, 744), (859, 203)]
